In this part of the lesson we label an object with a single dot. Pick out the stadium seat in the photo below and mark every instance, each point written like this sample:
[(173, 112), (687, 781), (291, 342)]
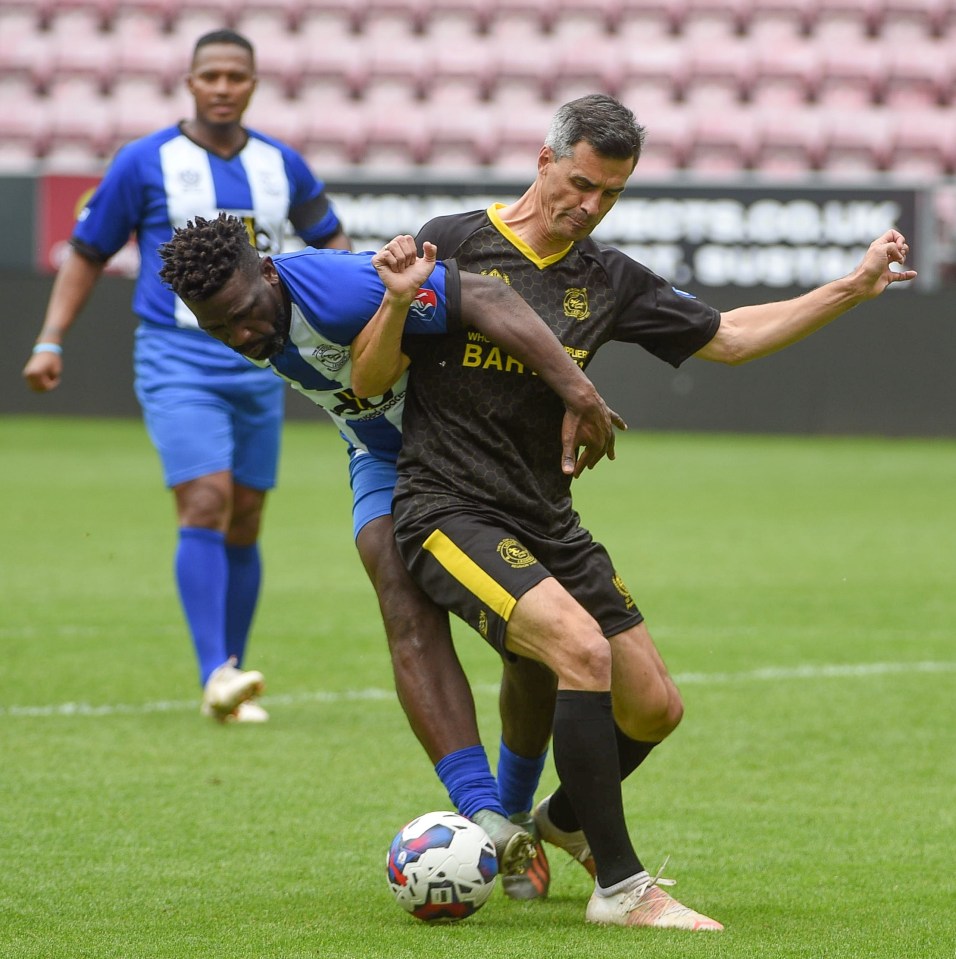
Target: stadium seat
[(140, 106), (460, 139), (713, 21), (395, 139), (392, 21), (921, 74), (580, 24), (336, 129), (456, 25), (591, 67), (343, 63), (796, 66), (79, 113), (25, 50), (290, 12), (273, 112), (17, 156), (722, 141), (74, 157), (788, 142), (671, 11), (81, 48), (532, 74), (852, 74), (24, 115), (666, 61), (845, 24), (769, 24), (935, 17), (643, 27), (924, 138), (856, 139), (668, 135), (143, 51), (511, 25), (728, 64)]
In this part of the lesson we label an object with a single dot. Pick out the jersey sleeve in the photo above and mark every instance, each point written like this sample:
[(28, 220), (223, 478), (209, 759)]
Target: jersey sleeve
[(311, 213), (338, 293), (114, 210), (669, 323)]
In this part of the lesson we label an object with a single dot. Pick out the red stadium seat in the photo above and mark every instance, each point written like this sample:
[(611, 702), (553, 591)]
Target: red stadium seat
[(722, 141), (857, 139), (667, 62), (924, 138), (79, 113), (24, 115), (789, 142), (851, 74)]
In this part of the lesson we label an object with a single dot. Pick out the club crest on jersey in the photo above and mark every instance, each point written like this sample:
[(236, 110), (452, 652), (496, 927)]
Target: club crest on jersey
[(576, 303), (514, 554), (332, 357), (189, 179), (424, 305), (498, 275)]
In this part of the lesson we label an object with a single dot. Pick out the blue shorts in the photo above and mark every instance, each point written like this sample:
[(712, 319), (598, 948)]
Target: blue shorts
[(373, 481), (208, 417)]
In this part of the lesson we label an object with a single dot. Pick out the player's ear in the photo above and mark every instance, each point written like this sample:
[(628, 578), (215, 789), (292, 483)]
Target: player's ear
[(545, 156), (268, 270)]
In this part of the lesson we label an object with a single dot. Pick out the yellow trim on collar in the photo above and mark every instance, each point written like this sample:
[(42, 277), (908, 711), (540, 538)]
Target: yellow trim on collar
[(516, 241)]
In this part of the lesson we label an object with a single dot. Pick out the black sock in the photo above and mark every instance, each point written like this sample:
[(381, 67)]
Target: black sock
[(631, 753), (585, 757)]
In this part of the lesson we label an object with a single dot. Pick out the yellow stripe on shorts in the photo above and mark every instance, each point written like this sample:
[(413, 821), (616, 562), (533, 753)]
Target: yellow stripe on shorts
[(470, 574)]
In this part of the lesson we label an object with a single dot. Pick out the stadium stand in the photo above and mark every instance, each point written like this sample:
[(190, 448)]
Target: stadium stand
[(783, 87)]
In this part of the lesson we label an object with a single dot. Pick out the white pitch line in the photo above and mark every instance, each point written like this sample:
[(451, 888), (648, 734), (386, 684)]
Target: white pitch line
[(765, 674)]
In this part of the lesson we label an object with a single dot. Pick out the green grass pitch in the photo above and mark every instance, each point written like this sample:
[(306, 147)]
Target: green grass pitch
[(802, 591)]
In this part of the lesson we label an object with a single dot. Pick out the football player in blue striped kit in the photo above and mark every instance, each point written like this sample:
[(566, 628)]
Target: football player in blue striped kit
[(214, 419), (299, 313)]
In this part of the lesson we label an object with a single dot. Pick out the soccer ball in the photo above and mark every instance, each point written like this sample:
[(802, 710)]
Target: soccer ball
[(441, 867)]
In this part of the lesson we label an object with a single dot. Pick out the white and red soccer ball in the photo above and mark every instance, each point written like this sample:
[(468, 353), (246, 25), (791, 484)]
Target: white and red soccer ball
[(441, 867)]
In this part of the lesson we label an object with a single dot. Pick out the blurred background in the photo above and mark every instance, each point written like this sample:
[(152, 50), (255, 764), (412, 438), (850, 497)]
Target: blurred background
[(782, 136)]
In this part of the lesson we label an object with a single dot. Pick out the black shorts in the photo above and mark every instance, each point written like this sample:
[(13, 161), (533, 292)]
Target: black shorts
[(477, 565)]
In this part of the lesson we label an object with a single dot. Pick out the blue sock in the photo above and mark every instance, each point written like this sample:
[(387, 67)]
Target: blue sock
[(242, 595), (201, 574), (467, 777), (518, 778)]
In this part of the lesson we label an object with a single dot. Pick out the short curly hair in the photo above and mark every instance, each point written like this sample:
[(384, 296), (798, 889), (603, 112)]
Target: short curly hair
[(203, 254)]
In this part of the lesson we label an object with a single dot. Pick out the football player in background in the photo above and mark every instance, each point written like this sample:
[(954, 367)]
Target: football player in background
[(214, 419)]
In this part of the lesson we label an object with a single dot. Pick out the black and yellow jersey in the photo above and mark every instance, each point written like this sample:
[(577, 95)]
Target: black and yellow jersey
[(481, 430)]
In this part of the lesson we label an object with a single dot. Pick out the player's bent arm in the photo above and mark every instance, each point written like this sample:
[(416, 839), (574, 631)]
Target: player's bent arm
[(496, 310), (71, 289), (750, 332), (377, 357)]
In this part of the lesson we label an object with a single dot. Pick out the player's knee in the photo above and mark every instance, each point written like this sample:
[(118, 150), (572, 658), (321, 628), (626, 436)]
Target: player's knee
[(585, 664), (650, 718)]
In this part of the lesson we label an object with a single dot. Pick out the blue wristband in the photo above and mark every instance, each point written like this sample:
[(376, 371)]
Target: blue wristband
[(48, 348)]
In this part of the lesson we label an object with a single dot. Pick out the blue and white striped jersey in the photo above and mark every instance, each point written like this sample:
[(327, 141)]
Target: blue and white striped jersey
[(334, 294), (162, 180)]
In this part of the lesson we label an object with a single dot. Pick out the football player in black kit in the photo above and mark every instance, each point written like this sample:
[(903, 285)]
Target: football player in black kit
[(483, 512)]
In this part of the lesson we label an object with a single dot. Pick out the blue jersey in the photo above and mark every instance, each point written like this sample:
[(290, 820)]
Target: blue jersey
[(334, 294), (165, 179)]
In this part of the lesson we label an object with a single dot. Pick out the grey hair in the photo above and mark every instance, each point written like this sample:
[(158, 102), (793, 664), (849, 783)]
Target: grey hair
[(600, 121)]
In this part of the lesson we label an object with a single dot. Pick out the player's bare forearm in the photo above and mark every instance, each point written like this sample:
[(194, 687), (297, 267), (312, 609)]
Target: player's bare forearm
[(498, 312), (71, 289), (377, 357), (751, 332)]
